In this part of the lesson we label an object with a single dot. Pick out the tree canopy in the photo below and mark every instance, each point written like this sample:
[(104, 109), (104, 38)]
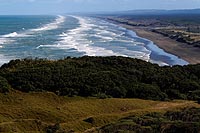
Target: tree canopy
[(107, 76)]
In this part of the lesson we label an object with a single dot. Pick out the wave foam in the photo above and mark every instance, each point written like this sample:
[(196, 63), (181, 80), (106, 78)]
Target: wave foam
[(77, 39), (3, 60), (15, 34), (86, 37), (8, 38), (5, 41), (51, 26)]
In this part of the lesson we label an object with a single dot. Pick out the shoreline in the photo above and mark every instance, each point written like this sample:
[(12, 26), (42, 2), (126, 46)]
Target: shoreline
[(181, 50)]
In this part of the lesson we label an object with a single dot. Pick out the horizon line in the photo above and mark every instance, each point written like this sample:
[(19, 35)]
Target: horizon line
[(93, 12)]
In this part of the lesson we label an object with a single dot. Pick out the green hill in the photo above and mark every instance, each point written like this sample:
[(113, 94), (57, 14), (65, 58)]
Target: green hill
[(98, 94), (117, 77)]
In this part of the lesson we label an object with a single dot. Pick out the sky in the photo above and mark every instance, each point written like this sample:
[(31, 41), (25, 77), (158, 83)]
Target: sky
[(13, 7)]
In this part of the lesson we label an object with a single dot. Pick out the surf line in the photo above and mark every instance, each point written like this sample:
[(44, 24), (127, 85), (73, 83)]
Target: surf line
[(77, 39), (10, 38)]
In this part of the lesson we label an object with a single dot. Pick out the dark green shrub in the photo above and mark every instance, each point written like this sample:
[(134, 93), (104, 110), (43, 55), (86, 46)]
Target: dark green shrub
[(198, 100), (184, 121), (4, 85), (175, 94), (118, 77), (53, 128), (68, 92), (102, 96), (146, 91), (90, 120)]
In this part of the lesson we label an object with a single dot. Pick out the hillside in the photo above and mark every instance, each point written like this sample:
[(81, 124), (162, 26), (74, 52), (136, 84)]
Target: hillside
[(98, 94), (117, 77), (40, 112)]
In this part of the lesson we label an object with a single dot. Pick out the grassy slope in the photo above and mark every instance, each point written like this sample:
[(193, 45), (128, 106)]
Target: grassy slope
[(35, 111)]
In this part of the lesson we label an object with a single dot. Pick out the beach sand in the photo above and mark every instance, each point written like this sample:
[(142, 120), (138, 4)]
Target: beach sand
[(182, 50)]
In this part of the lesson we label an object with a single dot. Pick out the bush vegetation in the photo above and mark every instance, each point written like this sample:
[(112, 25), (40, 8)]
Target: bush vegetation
[(4, 85), (103, 77), (184, 121)]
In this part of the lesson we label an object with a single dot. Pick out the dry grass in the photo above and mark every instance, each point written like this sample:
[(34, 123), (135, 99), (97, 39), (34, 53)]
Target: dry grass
[(23, 112)]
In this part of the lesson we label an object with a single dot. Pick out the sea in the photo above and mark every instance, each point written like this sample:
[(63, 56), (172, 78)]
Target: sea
[(60, 36)]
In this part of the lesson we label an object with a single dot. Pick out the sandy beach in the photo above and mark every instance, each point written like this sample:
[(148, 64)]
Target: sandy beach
[(182, 50)]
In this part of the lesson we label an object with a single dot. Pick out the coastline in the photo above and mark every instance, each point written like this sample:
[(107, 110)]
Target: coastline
[(183, 51)]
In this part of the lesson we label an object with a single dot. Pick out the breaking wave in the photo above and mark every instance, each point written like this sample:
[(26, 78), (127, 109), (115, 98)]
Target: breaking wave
[(11, 37)]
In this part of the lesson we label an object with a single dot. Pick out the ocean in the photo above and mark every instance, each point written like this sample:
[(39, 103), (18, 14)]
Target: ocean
[(57, 37)]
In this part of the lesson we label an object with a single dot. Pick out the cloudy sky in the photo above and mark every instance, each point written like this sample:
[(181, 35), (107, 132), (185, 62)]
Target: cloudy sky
[(68, 6)]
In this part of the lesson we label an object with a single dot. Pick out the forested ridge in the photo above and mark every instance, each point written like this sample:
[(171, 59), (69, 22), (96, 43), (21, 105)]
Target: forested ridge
[(118, 77)]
